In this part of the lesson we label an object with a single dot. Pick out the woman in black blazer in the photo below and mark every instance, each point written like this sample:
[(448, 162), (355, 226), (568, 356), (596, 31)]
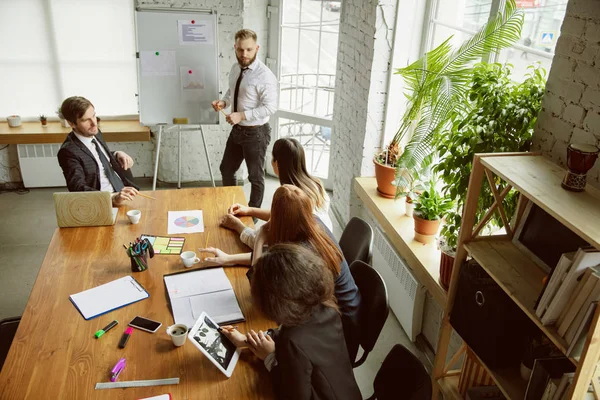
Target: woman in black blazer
[(307, 354)]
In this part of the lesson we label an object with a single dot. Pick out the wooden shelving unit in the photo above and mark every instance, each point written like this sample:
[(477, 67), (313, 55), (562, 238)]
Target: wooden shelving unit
[(537, 180)]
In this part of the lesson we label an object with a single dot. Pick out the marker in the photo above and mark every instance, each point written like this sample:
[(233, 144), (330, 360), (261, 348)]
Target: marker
[(125, 337), (106, 328)]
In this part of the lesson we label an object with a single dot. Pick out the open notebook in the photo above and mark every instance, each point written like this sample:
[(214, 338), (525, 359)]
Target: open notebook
[(207, 290), (110, 296)]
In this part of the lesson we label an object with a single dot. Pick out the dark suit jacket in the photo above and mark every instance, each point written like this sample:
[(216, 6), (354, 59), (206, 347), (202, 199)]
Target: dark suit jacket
[(312, 360), (80, 168)]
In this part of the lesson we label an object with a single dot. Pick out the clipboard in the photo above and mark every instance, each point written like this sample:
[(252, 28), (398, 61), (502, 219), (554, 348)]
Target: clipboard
[(105, 298)]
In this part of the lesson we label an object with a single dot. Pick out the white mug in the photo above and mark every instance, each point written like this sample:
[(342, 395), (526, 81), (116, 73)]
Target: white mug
[(14, 121), (189, 258), (178, 333), (134, 216)]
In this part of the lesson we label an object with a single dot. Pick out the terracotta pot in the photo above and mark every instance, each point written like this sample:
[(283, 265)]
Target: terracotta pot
[(385, 176), (446, 263), (425, 230)]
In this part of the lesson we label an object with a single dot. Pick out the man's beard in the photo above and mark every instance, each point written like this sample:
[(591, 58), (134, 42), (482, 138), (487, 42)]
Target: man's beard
[(248, 63)]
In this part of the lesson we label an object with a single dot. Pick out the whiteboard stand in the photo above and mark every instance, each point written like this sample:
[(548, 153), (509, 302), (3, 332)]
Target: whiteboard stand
[(179, 130)]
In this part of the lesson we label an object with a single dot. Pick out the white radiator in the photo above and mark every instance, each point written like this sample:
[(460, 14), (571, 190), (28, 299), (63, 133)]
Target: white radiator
[(406, 295), (39, 165)]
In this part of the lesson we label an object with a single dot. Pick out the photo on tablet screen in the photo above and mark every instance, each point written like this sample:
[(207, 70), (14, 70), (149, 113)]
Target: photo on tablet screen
[(215, 344)]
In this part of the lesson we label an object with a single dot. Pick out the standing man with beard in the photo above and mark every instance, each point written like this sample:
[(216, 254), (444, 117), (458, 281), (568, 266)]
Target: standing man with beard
[(252, 94)]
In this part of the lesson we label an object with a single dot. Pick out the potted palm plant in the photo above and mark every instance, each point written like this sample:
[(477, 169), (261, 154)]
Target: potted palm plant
[(414, 181), (500, 117), (430, 207), (436, 83)]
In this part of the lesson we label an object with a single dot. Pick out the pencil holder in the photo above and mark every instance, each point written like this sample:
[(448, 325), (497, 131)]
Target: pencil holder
[(138, 253)]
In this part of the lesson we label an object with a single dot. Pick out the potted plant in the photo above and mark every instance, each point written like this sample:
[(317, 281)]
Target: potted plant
[(430, 207), (63, 121), (413, 183), (436, 83), (500, 116), (43, 119)]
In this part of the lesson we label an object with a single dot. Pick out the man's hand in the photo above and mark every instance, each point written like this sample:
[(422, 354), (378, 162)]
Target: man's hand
[(221, 258), (235, 118), (218, 105), (126, 194), (124, 160)]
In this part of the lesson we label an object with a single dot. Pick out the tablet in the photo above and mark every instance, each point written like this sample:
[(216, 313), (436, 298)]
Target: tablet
[(214, 345)]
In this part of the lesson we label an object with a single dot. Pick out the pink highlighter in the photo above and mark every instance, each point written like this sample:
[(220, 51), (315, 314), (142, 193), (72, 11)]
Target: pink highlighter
[(125, 337)]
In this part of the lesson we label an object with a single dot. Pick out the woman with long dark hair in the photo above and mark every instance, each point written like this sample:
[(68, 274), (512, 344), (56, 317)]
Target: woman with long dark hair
[(306, 355), (292, 221), (289, 163)]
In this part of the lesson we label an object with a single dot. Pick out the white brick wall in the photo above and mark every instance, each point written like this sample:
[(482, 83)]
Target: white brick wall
[(363, 62), (571, 107), (233, 15)]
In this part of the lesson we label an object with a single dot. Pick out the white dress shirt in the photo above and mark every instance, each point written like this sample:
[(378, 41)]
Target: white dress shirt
[(257, 95), (105, 185)]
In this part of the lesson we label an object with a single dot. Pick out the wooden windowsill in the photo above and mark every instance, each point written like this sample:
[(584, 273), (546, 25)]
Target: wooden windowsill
[(54, 132), (422, 259)]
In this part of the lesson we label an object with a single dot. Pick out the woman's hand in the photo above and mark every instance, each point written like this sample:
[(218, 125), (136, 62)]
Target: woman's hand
[(221, 258), (239, 210), (260, 343), (237, 338)]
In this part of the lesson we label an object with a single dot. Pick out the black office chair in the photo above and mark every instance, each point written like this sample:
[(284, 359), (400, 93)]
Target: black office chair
[(401, 376), (374, 307), (8, 328), (357, 241)]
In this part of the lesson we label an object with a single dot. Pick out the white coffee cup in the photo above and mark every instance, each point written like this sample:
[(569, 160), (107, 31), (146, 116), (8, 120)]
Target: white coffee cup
[(178, 333), (14, 121), (134, 216), (189, 258)]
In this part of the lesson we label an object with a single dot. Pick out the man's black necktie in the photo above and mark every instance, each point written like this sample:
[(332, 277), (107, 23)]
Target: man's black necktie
[(113, 178), (237, 89)]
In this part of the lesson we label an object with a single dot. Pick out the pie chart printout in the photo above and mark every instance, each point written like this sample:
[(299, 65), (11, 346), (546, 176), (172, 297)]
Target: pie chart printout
[(187, 221)]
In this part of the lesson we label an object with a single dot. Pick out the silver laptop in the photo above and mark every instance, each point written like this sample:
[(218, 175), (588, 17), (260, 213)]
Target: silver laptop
[(75, 209)]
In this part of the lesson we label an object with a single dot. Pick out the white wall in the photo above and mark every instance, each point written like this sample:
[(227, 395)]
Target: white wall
[(571, 105), (233, 15)]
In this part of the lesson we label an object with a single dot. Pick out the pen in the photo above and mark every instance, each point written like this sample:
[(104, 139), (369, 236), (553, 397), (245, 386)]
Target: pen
[(125, 337), (106, 328), (117, 370)]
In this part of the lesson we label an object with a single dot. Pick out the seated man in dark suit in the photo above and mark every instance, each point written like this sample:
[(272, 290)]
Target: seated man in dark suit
[(86, 161)]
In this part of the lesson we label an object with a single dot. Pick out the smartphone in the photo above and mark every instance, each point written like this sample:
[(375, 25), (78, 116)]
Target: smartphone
[(145, 324)]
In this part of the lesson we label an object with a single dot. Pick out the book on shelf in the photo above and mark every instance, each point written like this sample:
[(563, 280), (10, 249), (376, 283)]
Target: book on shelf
[(564, 383), (580, 313), (576, 345), (582, 291), (584, 258), (553, 283), (545, 370)]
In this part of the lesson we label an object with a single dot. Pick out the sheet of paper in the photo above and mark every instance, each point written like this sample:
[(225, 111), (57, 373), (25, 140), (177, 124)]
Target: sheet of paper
[(182, 311), (185, 222), (221, 306), (192, 83), (195, 32), (197, 282), (158, 63)]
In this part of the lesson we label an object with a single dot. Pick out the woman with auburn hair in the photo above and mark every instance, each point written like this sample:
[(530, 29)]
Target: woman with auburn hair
[(289, 163), (292, 221), (306, 355)]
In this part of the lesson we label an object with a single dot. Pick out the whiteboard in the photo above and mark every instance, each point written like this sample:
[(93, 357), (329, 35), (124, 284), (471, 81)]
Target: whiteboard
[(177, 65)]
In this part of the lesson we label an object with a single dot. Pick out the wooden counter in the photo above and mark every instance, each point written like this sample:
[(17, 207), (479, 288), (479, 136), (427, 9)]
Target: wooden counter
[(54, 132), (423, 259)]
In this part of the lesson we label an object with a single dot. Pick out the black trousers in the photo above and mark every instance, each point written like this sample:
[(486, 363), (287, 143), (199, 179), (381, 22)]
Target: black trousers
[(250, 144)]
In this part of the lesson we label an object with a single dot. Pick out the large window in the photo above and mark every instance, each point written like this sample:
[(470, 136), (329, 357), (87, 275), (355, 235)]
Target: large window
[(462, 18), (52, 49)]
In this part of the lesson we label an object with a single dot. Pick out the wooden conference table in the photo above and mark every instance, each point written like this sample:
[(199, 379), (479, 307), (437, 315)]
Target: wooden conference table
[(54, 354)]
